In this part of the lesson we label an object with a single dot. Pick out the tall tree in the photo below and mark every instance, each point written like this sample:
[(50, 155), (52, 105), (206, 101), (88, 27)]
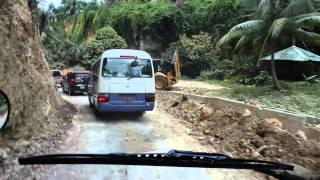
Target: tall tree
[(274, 20)]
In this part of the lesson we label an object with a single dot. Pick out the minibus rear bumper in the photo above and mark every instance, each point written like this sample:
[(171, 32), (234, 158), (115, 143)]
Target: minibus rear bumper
[(107, 107)]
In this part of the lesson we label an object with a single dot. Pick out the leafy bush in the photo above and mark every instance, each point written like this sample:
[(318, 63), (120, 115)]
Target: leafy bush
[(244, 65), (262, 78), (216, 74), (258, 80), (247, 81), (157, 21), (196, 53), (106, 38)]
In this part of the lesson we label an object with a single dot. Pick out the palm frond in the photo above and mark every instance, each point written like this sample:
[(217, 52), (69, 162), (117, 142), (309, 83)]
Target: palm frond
[(277, 27), (306, 15), (308, 36), (243, 40), (239, 30), (309, 20), (298, 7), (264, 7)]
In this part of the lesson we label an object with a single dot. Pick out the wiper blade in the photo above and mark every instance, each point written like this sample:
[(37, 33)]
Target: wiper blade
[(130, 77), (174, 158)]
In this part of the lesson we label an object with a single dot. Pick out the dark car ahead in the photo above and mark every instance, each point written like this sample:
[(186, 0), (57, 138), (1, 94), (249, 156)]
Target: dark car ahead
[(58, 79), (76, 82)]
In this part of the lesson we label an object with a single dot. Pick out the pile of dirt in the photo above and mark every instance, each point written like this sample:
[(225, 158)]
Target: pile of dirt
[(242, 134)]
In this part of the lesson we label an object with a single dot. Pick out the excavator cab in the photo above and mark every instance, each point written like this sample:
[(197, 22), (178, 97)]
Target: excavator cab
[(167, 72)]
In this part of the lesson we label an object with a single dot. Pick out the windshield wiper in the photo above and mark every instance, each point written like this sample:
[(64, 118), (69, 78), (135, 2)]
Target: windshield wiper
[(130, 77), (173, 158)]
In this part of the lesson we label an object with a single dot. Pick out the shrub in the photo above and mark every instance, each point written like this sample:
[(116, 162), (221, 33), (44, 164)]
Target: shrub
[(196, 53), (106, 38), (262, 78), (258, 80), (216, 74)]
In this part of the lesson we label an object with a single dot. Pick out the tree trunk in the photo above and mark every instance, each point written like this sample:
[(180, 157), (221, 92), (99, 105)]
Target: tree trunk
[(141, 44), (275, 81), (25, 76)]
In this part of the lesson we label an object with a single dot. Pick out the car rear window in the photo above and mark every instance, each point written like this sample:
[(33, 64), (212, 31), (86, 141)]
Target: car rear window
[(81, 75), (56, 73)]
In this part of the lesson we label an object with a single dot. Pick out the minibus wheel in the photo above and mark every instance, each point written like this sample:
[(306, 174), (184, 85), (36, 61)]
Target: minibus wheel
[(97, 112), (138, 114)]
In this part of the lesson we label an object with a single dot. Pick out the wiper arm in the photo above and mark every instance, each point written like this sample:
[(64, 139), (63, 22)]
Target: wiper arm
[(174, 158), (130, 77)]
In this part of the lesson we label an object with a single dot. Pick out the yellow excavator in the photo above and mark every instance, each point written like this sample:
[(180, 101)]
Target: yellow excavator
[(167, 72)]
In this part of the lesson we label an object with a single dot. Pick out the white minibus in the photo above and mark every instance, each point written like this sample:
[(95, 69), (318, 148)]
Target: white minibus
[(122, 80)]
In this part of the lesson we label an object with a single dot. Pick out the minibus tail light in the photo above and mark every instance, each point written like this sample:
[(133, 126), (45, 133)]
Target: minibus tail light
[(103, 98), (150, 97)]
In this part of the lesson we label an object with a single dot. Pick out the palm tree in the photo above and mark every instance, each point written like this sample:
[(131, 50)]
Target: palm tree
[(275, 19), (74, 7)]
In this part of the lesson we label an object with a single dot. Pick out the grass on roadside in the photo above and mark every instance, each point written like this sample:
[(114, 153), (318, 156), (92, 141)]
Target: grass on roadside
[(299, 97)]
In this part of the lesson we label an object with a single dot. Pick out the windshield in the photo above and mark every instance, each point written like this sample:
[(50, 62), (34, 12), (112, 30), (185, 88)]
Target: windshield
[(56, 73), (237, 77), (126, 67), (81, 77)]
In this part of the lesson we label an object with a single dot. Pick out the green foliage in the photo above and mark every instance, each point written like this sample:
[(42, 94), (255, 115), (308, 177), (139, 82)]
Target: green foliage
[(76, 68), (261, 79), (242, 65), (161, 27), (311, 79), (215, 17), (84, 24), (158, 22), (198, 52), (101, 17), (78, 31), (2, 100), (217, 74), (163, 22), (106, 38), (276, 21), (59, 51)]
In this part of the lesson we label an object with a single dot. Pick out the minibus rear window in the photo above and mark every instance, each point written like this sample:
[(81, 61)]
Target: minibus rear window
[(127, 67)]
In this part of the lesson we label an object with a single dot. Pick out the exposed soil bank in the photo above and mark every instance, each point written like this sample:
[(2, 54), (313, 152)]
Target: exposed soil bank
[(43, 142), (242, 134)]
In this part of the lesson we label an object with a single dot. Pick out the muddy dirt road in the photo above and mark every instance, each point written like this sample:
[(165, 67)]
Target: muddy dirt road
[(154, 131)]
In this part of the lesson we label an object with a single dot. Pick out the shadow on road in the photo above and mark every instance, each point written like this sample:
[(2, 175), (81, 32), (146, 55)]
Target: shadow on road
[(120, 116)]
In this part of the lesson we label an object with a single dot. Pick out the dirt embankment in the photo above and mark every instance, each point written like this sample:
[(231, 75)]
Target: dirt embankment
[(242, 134), (38, 114)]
